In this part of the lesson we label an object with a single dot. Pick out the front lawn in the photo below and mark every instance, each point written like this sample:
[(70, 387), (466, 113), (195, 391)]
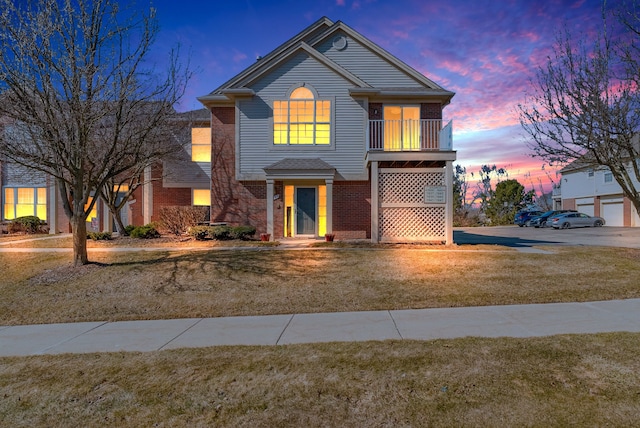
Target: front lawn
[(577, 380), (43, 288)]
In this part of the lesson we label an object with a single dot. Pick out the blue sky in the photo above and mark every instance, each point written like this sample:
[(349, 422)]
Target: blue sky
[(485, 51)]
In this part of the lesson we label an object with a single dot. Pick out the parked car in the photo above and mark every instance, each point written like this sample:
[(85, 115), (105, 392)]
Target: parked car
[(522, 217), (569, 220), (542, 220)]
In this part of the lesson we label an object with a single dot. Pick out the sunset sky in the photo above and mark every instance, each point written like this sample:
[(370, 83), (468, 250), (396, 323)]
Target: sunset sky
[(483, 50)]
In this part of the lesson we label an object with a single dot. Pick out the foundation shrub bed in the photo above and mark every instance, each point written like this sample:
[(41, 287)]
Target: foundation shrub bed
[(99, 236), (27, 224), (222, 233), (148, 231)]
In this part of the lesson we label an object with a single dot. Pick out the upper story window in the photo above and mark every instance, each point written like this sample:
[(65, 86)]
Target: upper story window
[(302, 119), (401, 127), (608, 177), (201, 144)]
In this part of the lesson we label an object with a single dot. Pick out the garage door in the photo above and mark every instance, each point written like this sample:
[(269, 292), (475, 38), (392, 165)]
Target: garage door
[(613, 213), (585, 208)]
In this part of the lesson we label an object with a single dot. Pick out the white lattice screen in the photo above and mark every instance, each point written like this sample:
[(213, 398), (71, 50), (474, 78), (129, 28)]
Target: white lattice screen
[(407, 187), (403, 213)]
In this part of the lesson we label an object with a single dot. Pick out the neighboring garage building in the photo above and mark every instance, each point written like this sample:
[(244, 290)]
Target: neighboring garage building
[(594, 191)]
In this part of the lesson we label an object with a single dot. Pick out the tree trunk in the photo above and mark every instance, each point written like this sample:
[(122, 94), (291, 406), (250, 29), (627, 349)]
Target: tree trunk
[(118, 220), (79, 230)]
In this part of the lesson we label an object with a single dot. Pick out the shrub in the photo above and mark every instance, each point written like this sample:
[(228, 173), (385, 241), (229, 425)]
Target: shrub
[(128, 229), (148, 231), (99, 236), (199, 233), (178, 219), (27, 224), (242, 232), (221, 233)]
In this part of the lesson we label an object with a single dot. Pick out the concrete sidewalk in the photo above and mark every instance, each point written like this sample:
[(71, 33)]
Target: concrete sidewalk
[(418, 324)]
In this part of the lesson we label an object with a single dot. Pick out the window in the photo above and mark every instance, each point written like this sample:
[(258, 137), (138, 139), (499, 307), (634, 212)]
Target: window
[(590, 173), (24, 201), (94, 211), (401, 128), (302, 120), (608, 177), (202, 197), (201, 144)]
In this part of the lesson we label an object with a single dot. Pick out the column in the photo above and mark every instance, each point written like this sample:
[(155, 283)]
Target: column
[(329, 186), (107, 218), (52, 207), (270, 194), (147, 196), (375, 237), (448, 211)]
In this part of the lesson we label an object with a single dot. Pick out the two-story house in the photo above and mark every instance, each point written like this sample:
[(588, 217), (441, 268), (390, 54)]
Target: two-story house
[(180, 180), (594, 191), (331, 134)]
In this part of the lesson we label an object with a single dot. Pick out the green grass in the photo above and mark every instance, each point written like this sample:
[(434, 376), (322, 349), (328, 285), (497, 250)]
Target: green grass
[(577, 380)]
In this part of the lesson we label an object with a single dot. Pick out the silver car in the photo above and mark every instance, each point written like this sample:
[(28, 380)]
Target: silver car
[(569, 220)]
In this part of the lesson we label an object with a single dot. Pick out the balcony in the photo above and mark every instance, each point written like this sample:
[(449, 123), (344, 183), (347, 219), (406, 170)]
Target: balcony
[(409, 135)]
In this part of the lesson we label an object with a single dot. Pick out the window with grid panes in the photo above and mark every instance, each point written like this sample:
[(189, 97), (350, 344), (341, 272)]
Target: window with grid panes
[(302, 120)]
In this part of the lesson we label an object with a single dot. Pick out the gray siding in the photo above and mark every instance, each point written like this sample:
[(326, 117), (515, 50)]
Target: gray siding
[(367, 65), (182, 172), (15, 175), (255, 117)]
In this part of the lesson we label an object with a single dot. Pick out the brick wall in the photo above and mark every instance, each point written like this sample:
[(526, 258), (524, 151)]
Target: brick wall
[(352, 209), (162, 197), (569, 204), (430, 111), (233, 201), (626, 211), (375, 111)]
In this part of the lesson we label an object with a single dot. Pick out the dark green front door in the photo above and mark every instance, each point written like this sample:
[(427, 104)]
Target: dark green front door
[(306, 211)]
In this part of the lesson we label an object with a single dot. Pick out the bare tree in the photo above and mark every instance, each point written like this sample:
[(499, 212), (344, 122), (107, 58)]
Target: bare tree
[(117, 191), (73, 74), (585, 102)]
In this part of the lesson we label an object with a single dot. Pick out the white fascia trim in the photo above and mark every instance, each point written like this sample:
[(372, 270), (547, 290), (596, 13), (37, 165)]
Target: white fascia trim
[(402, 66), (303, 47)]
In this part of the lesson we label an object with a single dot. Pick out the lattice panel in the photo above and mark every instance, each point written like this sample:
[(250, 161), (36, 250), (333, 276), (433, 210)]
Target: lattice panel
[(413, 223), (407, 187)]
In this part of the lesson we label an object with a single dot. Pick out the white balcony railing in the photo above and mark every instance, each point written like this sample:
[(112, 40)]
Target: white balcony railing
[(408, 135)]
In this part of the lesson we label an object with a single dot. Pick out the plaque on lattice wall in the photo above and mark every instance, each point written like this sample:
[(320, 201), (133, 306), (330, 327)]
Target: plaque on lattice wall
[(407, 187)]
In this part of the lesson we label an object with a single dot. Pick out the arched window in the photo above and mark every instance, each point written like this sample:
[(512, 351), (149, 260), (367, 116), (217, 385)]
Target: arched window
[(302, 120)]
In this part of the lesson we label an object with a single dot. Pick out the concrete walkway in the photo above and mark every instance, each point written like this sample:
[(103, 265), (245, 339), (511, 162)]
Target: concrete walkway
[(420, 324)]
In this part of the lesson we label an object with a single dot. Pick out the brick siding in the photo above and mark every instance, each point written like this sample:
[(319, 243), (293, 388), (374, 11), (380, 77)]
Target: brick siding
[(232, 201), (352, 209), (430, 111)]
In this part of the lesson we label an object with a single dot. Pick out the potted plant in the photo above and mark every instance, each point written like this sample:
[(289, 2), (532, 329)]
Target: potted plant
[(265, 237), (328, 237)]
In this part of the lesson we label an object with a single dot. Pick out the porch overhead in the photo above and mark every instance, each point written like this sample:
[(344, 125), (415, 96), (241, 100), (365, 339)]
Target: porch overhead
[(300, 168)]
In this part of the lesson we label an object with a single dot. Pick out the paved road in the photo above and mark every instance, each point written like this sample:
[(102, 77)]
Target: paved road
[(523, 237)]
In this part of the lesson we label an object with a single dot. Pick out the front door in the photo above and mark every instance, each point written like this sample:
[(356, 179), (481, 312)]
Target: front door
[(306, 211)]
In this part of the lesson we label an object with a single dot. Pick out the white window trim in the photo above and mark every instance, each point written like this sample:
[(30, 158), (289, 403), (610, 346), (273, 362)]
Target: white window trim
[(316, 98), (15, 200)]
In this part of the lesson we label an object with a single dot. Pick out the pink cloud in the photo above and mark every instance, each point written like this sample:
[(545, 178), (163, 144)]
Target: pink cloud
[(239, 56), (339, 2)]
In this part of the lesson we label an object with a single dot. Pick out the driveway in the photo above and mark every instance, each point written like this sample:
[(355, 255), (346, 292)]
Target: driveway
[(520, 237)]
